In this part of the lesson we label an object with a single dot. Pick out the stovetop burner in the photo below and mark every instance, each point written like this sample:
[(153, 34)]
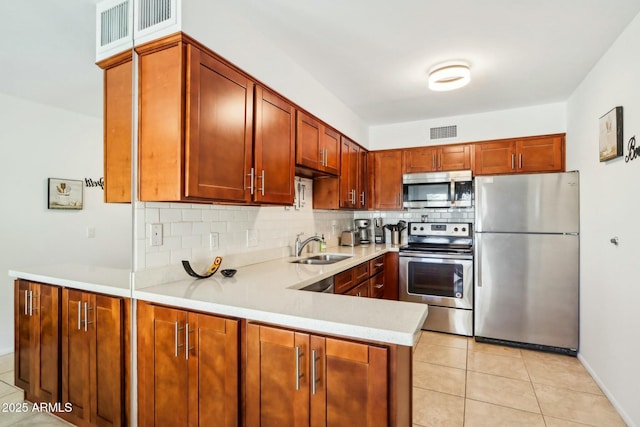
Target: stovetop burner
[(451, 238)]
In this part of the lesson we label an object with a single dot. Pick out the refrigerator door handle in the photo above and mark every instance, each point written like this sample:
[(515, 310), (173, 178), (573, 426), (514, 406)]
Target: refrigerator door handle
[(479, 261)]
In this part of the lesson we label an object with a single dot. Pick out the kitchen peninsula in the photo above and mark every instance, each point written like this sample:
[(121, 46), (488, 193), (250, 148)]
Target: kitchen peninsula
[(257, 324)]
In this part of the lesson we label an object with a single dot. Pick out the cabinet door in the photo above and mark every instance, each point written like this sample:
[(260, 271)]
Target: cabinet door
[(356, 384), (117, 131), (37, 338), (213, 371), (495, 158), (106, 359), (277, 377), (391, 266), (421, 159), (76, 375), (388, 179), (544, 154), (454, 157), (274, 148), (308, 134), (376, 286), (348, 174), (363, 184), (330, 143), (162, 366), (219, 134)]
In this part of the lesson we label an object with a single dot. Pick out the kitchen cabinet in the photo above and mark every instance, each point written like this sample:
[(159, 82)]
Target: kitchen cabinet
[(350, 189), (387, 173), (317, 145), (296, 378), (196, 129), (37, 340), (118, 103), (93, 357), (522, 155), (188, 368), (437, 158), (364, 280)]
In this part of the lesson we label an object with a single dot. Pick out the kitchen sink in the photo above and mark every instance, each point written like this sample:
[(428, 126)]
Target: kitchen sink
[(321, 259)]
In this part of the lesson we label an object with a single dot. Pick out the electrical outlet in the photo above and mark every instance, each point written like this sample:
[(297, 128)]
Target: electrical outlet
[(214, 239), (156, 234), (91, 232)]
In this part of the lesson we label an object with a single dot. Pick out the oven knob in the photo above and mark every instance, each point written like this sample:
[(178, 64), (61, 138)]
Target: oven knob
[(458, 295), (464, 229), (415, 228), (421, 228), (455, 229)]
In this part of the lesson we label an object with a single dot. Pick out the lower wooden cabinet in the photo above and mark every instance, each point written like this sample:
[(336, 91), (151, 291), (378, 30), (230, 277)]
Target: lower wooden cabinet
[(300, 379), (188, 368), (37, 340), (93, 358)]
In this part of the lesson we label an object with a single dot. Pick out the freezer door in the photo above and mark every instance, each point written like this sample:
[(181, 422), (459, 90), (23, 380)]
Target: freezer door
[(528, 203), (527, 288)]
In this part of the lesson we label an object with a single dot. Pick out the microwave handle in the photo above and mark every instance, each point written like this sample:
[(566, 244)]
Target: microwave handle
[(452, 193)]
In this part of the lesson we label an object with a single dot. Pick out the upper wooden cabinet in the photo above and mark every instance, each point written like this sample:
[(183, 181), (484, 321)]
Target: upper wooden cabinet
[(387, 179), (118, 103), (522, 155), (37, 340), (300, 379), (317, 145), (188, 368), (93, 355), (437, 158), (196, 129)]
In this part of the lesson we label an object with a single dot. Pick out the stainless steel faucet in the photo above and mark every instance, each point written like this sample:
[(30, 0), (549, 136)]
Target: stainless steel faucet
[(301, 244)]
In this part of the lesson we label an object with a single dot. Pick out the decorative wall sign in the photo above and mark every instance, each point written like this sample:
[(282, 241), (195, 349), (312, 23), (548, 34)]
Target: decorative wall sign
[(65, 193), (611, 135), (634, 152), (90, 182)]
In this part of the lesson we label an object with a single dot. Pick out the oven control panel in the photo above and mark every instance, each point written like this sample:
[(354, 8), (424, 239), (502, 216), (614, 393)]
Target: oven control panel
[(439, 229)]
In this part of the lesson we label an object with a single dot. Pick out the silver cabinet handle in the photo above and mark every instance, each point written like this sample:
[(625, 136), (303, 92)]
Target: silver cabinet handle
[(379, 265), (352, 196), (30, 303), (79, 315), (177, 334), (314, 371), (262, 184), (358, 295), (86, 317), (362, 198), (251, 178), (186, 341), (26, 297), (520, 161), (298, 373), (380, 286), (513, 161)]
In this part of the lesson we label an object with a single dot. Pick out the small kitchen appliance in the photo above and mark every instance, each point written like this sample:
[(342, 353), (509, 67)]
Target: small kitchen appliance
[(437, 190), (362, 225), (436, 268), (349, 238), (378, 230)]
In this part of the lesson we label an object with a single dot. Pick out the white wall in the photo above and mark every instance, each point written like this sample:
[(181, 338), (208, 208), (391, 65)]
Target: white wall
[(609, 206), (38, 142), (536, 120), (236, 40)]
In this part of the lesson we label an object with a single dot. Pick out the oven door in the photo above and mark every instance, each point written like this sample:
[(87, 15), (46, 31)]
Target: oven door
[(441, 280)]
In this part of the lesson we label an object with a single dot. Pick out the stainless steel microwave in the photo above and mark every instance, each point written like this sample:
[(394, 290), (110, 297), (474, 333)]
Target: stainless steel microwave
[(437, 189)]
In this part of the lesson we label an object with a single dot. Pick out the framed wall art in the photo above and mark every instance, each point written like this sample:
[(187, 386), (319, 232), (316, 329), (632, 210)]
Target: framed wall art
[(65, 194), (611, 135)]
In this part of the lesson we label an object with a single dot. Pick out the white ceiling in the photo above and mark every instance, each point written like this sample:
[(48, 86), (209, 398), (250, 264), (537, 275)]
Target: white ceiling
[(372, 54)]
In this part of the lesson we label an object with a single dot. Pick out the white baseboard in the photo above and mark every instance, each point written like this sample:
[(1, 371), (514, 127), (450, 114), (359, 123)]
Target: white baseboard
[(605, 390)]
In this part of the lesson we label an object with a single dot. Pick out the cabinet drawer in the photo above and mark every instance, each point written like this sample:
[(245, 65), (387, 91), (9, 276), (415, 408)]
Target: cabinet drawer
[(376, 265), (360, 273), (342, 282), (361, 290), (376, 286)]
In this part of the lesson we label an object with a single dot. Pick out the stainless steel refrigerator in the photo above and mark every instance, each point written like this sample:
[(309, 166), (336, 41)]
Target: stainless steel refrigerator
[(527, 260)]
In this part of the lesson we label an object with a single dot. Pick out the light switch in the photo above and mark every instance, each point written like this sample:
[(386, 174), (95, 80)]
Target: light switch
[(214, 239), (91, 232)]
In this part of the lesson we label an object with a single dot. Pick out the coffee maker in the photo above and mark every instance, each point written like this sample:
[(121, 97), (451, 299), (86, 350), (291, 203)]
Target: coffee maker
[(362, 226), (378, 230)]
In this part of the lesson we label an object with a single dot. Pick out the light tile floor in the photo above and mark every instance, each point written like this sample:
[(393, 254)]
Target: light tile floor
[(459, 382)]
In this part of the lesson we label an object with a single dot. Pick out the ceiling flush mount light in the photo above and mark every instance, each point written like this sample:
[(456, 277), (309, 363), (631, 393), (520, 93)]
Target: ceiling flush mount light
[(449, 76)]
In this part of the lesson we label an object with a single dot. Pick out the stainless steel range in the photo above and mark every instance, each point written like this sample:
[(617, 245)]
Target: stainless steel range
[(436, 268)]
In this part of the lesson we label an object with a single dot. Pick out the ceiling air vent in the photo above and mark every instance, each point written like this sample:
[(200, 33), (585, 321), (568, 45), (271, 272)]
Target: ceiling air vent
[(113, 27), (444, 132)]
